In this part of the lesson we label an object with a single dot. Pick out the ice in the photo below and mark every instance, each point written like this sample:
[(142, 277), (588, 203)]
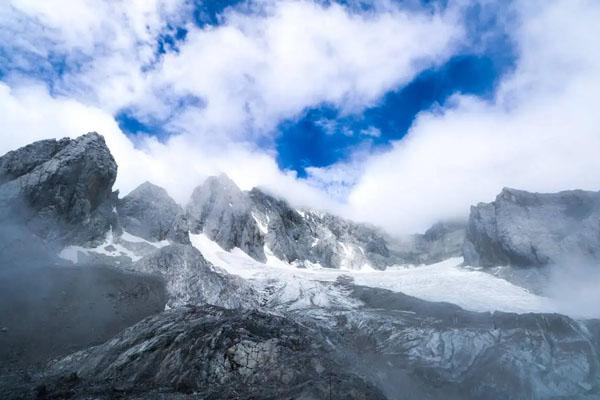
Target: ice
[(445, 281), (112, 247)]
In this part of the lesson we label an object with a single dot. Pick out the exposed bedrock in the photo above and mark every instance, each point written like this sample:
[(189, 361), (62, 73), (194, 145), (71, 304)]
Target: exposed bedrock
[(61, 190), (148, 212), (208, 352), (533, 229)]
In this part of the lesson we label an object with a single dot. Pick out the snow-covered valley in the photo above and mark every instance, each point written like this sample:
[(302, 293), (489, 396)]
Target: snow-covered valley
[(446, 281)]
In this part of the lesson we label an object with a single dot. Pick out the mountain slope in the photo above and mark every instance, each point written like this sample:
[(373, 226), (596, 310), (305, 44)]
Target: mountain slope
[(268, 301), (532, 229)]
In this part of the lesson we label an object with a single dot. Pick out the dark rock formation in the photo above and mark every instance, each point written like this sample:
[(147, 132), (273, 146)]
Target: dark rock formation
[(389, 346), (532, 229), (257, 222), (193, 280), (148, 212), (208, 353), (60, 189)]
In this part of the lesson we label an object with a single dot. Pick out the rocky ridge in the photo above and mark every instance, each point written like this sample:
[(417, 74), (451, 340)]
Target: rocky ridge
[(532, 229), (226, 337)]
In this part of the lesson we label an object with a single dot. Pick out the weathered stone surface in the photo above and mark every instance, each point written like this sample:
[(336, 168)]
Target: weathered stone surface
[(414, 349), (532, 229), (148, 212), (388, 346), (211, 353), (193, 280), (60, 189), (259, 223)]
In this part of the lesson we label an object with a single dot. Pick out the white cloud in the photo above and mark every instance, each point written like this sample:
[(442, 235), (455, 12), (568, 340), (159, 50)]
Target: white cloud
[(371, 131), (29, 113), (252, 71), (257, 69), (540, 133)]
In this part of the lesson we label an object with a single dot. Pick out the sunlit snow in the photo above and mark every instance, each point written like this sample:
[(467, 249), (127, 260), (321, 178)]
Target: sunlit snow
[(445, 281)]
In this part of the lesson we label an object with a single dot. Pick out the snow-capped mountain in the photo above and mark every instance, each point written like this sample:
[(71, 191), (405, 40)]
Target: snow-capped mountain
[(264, 300)]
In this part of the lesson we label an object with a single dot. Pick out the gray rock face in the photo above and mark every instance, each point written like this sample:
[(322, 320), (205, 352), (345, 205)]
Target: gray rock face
[(305, 236), (222, 211), (22, 161), (442, 241), (414, 349), (60, 189), (392, 346), (148, 212), (258, 223), (209, 353), (532, 229), (193, 280)]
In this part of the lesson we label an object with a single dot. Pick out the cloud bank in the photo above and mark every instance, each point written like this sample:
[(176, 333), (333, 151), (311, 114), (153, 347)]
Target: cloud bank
[(540, 132), (220, 91)]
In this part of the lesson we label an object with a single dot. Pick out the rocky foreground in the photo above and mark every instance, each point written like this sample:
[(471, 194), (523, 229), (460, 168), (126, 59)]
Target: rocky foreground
[(86, 276)]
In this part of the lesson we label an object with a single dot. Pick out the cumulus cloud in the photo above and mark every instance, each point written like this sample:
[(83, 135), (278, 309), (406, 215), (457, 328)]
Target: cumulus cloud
[(226, 87), (540, 132), (259, 68), (71, 67), (30, 113)]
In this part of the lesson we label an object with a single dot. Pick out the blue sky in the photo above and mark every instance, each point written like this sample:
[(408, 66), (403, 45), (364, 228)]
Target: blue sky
[(398, 113), (322, 134)]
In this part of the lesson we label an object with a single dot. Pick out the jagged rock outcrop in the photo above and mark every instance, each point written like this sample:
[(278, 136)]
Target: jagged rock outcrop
[(148, 212), (382, 345), (193, 280), (61, 190), (262, 225), (302, 236), (211, 353), (533, 229), (224, 213)]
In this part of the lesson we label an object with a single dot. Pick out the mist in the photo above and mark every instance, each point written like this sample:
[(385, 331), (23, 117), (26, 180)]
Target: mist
[(574, 287)]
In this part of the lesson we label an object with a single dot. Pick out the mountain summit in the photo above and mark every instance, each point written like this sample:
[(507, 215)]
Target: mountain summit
[(238, 294)]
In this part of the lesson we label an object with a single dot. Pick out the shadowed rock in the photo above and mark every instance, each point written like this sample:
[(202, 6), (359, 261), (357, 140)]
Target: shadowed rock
[(261, 224), (211, 353), (415, 349), (224, 213), (148, 212)]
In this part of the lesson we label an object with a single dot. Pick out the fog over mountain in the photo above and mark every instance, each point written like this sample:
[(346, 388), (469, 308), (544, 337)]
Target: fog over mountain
[(300, 199), (238, 294)]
